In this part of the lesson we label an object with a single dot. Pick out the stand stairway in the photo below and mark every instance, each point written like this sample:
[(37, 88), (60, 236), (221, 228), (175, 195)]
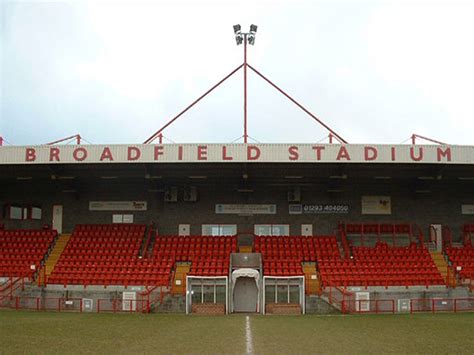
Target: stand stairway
[(53, 258)]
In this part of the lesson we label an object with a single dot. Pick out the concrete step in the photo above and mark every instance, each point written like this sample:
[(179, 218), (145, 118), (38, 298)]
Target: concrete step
[(444, 269), (312, 283), (172, 304), (318, 305), (179, 280), (54, 256), (245, 249), (309, 267)]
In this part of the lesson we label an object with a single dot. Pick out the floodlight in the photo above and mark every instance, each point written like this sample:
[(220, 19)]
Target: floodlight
[(237, 28), (239, 39), (251, 39), (253, 28)]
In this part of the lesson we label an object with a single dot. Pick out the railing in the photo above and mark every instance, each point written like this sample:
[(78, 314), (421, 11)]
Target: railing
[(451, 280), (381, 230), (421, 305), (152, 297), (146, 243), (340, 298), (437, 305), (418, 233), (42, 272), (13, 284), (446, 237), (42, 303), (345, 243), (374, 306), (118, 306), (61, 304)]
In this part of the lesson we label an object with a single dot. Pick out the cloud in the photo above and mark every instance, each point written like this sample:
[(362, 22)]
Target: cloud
[(374, 71)]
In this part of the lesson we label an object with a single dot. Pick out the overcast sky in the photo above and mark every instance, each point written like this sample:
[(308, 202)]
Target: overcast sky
[(374, 71)]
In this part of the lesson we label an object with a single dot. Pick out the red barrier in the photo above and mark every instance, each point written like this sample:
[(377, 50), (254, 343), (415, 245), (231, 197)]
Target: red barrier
[(151, 297), (41, 303), (121, 306), (438, 305), (421, 305), (13, 284), (342, 299), (463, 305)]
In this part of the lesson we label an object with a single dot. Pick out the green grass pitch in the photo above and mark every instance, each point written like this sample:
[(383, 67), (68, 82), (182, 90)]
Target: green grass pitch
[(69, 333)]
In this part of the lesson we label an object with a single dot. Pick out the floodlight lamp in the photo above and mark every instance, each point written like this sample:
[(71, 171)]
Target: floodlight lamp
[(251, 39), (237, 29), (239, 39), (253, 28)]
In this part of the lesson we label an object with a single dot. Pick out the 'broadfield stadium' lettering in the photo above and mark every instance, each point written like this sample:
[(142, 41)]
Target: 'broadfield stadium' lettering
[(175, 153)]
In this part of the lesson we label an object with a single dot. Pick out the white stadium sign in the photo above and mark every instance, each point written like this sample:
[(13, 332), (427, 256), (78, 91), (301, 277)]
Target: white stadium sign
[(229, 153), (117, 205)]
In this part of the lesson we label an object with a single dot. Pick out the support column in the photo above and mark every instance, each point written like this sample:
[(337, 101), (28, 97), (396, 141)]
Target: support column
[(245, 88)]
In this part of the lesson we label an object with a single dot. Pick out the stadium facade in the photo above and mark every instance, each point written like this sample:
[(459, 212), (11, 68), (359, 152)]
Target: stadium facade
[(247, 192)]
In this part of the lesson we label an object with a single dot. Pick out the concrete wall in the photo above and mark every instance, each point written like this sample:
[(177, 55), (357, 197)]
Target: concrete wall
[(442, 206)]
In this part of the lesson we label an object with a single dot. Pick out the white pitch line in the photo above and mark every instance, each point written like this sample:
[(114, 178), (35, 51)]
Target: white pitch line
[(248, 336)]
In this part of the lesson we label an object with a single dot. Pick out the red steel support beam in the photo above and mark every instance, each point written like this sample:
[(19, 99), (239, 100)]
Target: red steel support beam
[(342, 140), (332, 137), (77, 137), (245, 89), (415, 136), (1, 141), (155, 135)]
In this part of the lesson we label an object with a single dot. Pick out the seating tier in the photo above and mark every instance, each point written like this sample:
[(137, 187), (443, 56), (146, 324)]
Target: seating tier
[(20, 249), (382, 266), (282, 256), (209, 256), (463, 258), (108, 255)]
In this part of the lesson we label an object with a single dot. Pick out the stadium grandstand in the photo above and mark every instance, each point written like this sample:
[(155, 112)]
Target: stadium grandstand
[(179, 232), (225, 228)]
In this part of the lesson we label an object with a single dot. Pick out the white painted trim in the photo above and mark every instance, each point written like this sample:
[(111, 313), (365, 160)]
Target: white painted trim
[(248, 336)]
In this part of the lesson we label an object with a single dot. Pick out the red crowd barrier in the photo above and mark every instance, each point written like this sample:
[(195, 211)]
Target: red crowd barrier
[(42, 303), (12, 284), (417, 305), (122, 306), (342, 299)]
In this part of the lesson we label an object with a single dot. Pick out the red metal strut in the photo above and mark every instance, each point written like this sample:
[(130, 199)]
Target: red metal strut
[(77, 137), (332, 137), (415, 136), (298, 104), (157, 133), (245, 89)]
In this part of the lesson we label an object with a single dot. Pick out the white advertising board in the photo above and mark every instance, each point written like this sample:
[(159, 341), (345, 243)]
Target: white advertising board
[(249, 209), (376, 205), (467, 209), (117, 206)]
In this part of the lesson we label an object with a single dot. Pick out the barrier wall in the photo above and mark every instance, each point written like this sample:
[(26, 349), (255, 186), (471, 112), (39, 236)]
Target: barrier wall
[(346, 303)]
